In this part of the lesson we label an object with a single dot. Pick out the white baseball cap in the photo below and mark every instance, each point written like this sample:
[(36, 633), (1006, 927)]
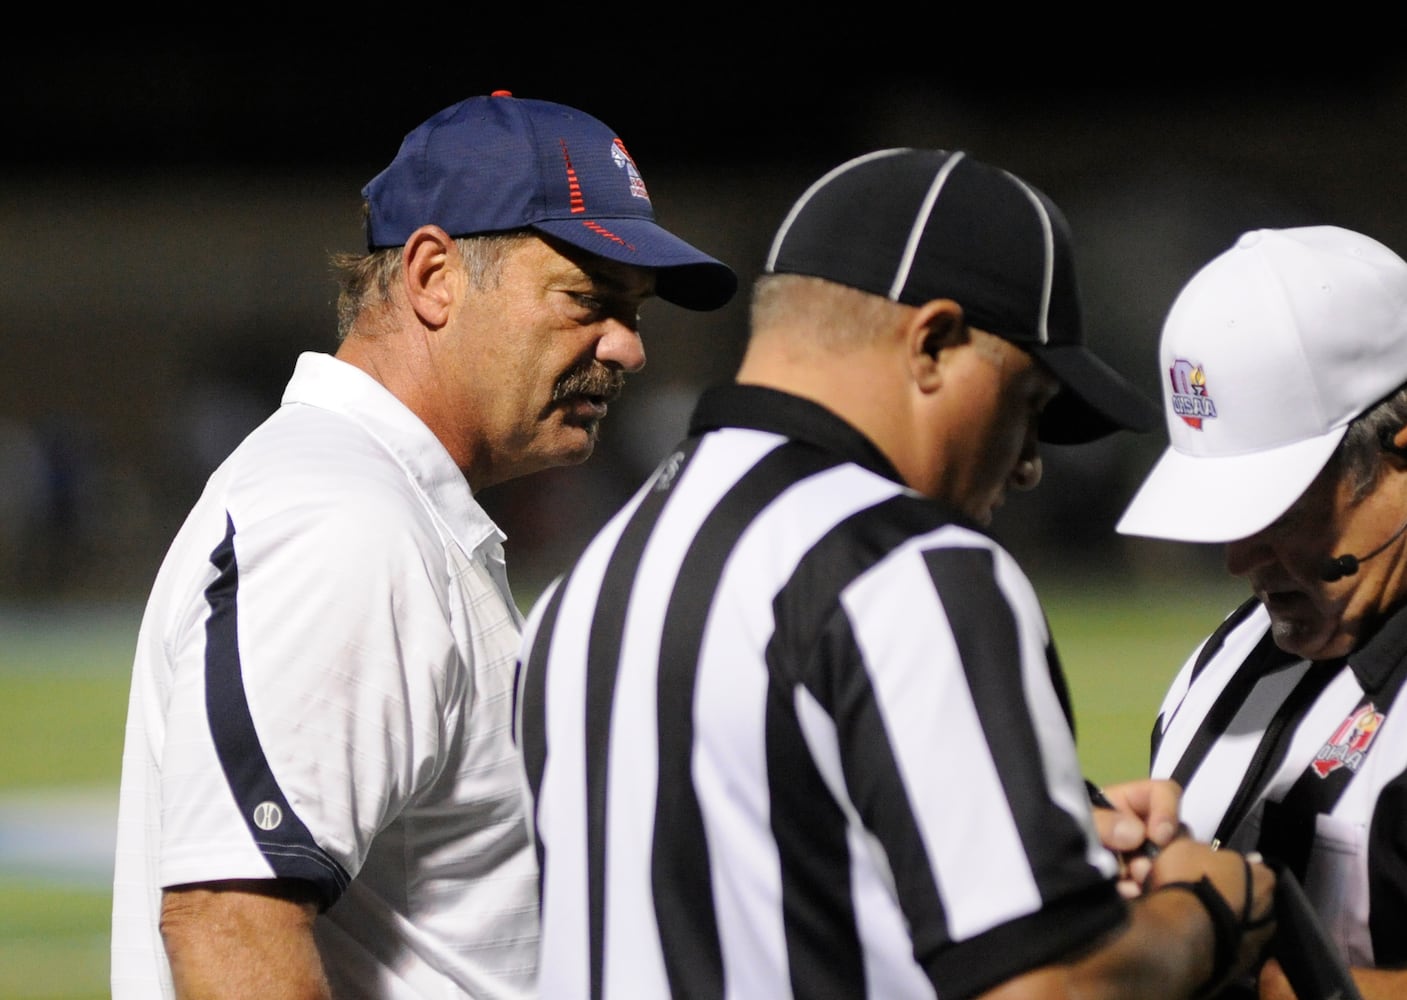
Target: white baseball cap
[(1267, 354)]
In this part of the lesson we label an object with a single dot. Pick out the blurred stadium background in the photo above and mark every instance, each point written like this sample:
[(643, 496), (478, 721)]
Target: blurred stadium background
[(166, 214)]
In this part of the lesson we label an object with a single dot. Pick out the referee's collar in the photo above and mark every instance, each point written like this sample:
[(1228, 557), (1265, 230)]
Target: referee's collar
[(1381, 655), (759, 408)]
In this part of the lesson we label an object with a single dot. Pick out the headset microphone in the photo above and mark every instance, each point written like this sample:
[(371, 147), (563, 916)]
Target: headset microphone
[(1341, 566), (1338, 568)]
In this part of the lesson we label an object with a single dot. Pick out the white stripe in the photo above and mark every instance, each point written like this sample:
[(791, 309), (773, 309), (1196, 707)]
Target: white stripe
[(636, 969), (906, 263), (730, 758), (930, 716), (1048, 275), (562, 819), (810, 193), (634, 765), (890, 969)]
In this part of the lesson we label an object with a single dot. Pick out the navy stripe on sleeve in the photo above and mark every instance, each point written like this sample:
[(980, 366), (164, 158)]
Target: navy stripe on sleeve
[(285, 842)]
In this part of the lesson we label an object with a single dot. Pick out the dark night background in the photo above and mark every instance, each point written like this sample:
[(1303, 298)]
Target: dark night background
[(167, 207)]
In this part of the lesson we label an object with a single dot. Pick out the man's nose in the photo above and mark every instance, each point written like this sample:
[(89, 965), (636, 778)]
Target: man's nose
[(621, 347)]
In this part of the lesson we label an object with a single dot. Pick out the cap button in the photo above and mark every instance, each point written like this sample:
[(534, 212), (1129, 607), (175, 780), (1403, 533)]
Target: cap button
[(502, 93), (1249, 240)]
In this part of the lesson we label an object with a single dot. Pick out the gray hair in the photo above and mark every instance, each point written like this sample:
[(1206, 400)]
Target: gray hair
[(1359, 453), (365, 280)]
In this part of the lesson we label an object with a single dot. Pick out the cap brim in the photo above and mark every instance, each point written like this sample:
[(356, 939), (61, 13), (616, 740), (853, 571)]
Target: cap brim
[(1195, 498), (685, 275), (1094, 400)]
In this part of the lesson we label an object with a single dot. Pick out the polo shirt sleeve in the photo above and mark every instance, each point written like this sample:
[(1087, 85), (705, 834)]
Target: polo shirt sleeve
[(318, 685)]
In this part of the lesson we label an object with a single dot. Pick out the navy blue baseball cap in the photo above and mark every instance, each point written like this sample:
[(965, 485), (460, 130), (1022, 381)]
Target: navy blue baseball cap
[(915, 225), (498, 162)]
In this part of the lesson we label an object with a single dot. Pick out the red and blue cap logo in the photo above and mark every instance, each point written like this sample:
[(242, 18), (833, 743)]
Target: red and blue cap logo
[(1190, 399)]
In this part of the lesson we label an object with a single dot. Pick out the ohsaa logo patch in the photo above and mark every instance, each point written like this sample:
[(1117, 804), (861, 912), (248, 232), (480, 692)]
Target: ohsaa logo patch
[(1349, 744), (626, 162), (1189, 394)]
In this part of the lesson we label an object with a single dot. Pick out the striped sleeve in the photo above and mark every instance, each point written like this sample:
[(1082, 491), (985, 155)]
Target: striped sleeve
[(954, 748)]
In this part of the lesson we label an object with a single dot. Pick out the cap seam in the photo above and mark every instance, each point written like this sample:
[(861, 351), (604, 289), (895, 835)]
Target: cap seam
[(920, 225), (1047, 258), (813, 190)]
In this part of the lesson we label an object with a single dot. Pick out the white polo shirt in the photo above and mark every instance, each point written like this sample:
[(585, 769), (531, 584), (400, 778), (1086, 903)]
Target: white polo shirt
[(322, 690)]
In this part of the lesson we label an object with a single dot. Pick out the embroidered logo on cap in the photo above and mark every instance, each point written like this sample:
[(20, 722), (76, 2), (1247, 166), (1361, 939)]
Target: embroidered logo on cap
[(1349, 744), (1189, 399), (625, 161)]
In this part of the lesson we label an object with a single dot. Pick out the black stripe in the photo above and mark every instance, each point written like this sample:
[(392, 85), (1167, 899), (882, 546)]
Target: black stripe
[(823, 941), (984, 628), (1058, 682), (1218, 637), (1209, 649), (532, 683), (602, 668), (1387, 876), (1057, 933), (680, 869), (288, 847), (1287, 827), (814, 646), (1263, 659)]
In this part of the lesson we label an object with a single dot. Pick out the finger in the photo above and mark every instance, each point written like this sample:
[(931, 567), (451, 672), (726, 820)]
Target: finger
[(1155, 801), (1138, 868), (1126, 834)]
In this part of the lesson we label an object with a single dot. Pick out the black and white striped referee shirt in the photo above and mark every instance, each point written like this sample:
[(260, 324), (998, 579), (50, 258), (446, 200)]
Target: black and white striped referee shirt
[(793, 730), (1306, 763)]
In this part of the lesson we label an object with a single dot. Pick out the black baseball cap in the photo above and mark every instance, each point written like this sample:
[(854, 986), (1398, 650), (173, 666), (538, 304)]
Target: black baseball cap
[(497, 162), (915, 225)]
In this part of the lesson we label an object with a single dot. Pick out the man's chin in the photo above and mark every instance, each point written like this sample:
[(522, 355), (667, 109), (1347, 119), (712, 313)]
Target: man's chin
[(1305, 636), (577, 442)]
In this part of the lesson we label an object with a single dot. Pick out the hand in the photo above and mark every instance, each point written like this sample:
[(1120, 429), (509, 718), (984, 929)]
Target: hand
[(1135, 820), (1246, 887)]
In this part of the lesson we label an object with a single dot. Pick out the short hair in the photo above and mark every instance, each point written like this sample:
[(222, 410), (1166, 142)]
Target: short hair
[(834, 316), (365, 280)]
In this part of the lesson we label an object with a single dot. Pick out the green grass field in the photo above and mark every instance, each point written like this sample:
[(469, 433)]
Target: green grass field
[(63, 702), (1121, 647)]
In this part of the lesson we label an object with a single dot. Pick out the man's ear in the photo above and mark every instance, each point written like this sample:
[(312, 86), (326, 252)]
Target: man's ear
[(935, 326), (1394, 441), (430, 280)]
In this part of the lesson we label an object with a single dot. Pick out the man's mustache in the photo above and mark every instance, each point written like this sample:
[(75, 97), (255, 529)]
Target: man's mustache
[(596, 380)]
